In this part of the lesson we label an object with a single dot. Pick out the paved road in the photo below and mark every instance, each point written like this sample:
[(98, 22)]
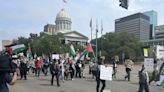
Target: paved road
[(87, 84)]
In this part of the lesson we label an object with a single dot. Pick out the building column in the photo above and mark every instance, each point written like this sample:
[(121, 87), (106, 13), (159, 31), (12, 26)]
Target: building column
[(67, 25)]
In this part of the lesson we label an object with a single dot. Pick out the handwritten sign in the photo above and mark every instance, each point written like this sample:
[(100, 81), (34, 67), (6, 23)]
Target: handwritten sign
[(149, 63), (106, 72)]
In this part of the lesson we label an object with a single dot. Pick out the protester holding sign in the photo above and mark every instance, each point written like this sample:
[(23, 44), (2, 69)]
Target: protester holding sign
[(98, 80)]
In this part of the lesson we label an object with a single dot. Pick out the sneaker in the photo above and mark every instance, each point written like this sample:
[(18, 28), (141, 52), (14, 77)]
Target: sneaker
[(125, 78)]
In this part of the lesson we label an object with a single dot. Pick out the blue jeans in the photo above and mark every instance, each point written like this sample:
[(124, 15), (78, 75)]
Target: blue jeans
[(45, 70)]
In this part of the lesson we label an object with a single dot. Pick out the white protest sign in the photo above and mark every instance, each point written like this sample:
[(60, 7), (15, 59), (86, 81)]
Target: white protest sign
[(106, 72), (149, 63), (55, 56)]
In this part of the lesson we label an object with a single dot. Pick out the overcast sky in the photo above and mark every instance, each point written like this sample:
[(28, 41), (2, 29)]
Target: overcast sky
[(21, 17)]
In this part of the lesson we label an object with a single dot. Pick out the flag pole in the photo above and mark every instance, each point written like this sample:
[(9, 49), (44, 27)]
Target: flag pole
[(91, 28), (96, 36), (101, 37)]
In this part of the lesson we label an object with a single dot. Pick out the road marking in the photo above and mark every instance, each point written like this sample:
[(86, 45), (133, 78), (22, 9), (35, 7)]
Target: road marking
[(106, 91)]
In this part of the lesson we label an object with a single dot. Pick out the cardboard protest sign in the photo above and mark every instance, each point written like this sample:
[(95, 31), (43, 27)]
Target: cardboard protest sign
[(55, 56), (106, 72), (149, 63)]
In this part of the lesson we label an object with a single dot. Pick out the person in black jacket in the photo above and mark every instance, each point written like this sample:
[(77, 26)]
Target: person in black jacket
[(23, 70), (98, 80), (143, 80), (55, 71), (78, 70), (71, 70), (6, 78)]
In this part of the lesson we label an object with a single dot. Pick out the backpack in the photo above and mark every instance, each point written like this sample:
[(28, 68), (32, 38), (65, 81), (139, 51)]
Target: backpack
[(6, 64)]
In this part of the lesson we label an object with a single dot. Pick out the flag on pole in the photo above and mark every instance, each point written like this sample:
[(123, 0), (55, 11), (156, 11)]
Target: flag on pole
[(90, 23), (72, 51), (91, 27), (65, 1), (87, 50), (29, 48), (101, 27), (96, 25), (16, 48), (29, 53)]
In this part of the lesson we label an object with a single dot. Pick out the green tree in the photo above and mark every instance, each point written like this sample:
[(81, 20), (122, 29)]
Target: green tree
[(112, 44)]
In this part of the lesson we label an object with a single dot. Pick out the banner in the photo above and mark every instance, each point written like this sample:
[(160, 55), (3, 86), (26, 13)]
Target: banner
[(106, 72)]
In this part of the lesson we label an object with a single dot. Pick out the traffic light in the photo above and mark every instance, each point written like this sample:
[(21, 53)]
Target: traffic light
[(124, 3)]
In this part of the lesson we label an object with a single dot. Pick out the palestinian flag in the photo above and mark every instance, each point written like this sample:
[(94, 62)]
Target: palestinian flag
[(29, 53), (88, 49), (72, 51), (15, 48)]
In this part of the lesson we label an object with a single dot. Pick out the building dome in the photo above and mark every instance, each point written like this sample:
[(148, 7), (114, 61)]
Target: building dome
[(63, 15), (63, 22)]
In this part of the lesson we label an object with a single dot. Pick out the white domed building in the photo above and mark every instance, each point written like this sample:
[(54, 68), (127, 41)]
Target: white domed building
[(63, 22), (63, 25)]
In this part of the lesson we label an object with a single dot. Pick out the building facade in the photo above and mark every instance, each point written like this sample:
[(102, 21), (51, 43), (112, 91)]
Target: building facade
[(153, 22), (159, 37), (159, 32), (50, 29), (137, 24)]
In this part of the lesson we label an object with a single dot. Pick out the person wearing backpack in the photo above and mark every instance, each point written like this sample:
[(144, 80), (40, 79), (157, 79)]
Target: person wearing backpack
[(143, 80), (94, 69), (55, 71)]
